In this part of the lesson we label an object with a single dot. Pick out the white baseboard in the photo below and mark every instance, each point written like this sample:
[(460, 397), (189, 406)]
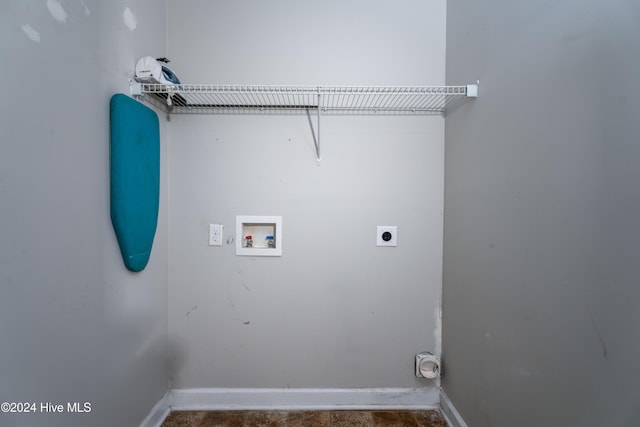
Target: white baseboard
[(304, 399), (450, 413), (158, 413), (212, 399)]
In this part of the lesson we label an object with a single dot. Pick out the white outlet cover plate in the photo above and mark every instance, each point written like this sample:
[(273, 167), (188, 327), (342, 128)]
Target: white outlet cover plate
[(393, 229), (215, 234)]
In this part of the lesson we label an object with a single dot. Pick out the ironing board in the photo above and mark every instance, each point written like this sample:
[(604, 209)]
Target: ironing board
[(135, 178)]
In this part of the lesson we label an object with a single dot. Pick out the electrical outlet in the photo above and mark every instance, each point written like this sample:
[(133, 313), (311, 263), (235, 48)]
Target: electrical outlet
[(215, 234), (387, 235)]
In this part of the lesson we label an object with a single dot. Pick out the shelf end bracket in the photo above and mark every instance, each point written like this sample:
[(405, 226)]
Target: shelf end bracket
[(472, 90), (135, 88)]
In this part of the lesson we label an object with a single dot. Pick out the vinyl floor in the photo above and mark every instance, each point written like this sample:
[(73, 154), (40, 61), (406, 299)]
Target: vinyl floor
[(421, 418)]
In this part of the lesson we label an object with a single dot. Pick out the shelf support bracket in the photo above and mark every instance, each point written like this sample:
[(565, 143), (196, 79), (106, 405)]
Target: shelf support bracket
[(318, 130), (316, 133)]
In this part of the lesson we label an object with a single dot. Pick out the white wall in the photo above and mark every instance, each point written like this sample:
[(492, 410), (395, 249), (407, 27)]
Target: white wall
[(334, 310), (75, 325), (541, 239)]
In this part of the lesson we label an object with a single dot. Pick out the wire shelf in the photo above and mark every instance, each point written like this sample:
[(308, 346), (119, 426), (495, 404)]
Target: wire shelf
[(322, 100), (202, 99)]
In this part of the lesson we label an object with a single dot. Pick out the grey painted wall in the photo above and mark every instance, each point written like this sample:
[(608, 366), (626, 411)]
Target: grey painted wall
[(541, 253), (334, 310), (75, 325)]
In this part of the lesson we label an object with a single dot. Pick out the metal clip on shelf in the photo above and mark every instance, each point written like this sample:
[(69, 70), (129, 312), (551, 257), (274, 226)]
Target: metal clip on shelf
[(254, 99)]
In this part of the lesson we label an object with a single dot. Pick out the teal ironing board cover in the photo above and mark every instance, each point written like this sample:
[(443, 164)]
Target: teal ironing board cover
[(135, 178)]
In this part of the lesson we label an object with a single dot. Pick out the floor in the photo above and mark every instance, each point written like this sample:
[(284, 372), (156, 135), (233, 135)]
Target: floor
[(423, 418)]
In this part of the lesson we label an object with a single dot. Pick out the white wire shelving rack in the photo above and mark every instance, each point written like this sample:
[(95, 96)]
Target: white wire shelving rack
[(319, 100)]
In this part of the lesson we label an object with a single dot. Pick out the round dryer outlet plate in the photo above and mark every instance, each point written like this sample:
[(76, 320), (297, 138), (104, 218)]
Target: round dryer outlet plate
[(387, 235), (427, 365)]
